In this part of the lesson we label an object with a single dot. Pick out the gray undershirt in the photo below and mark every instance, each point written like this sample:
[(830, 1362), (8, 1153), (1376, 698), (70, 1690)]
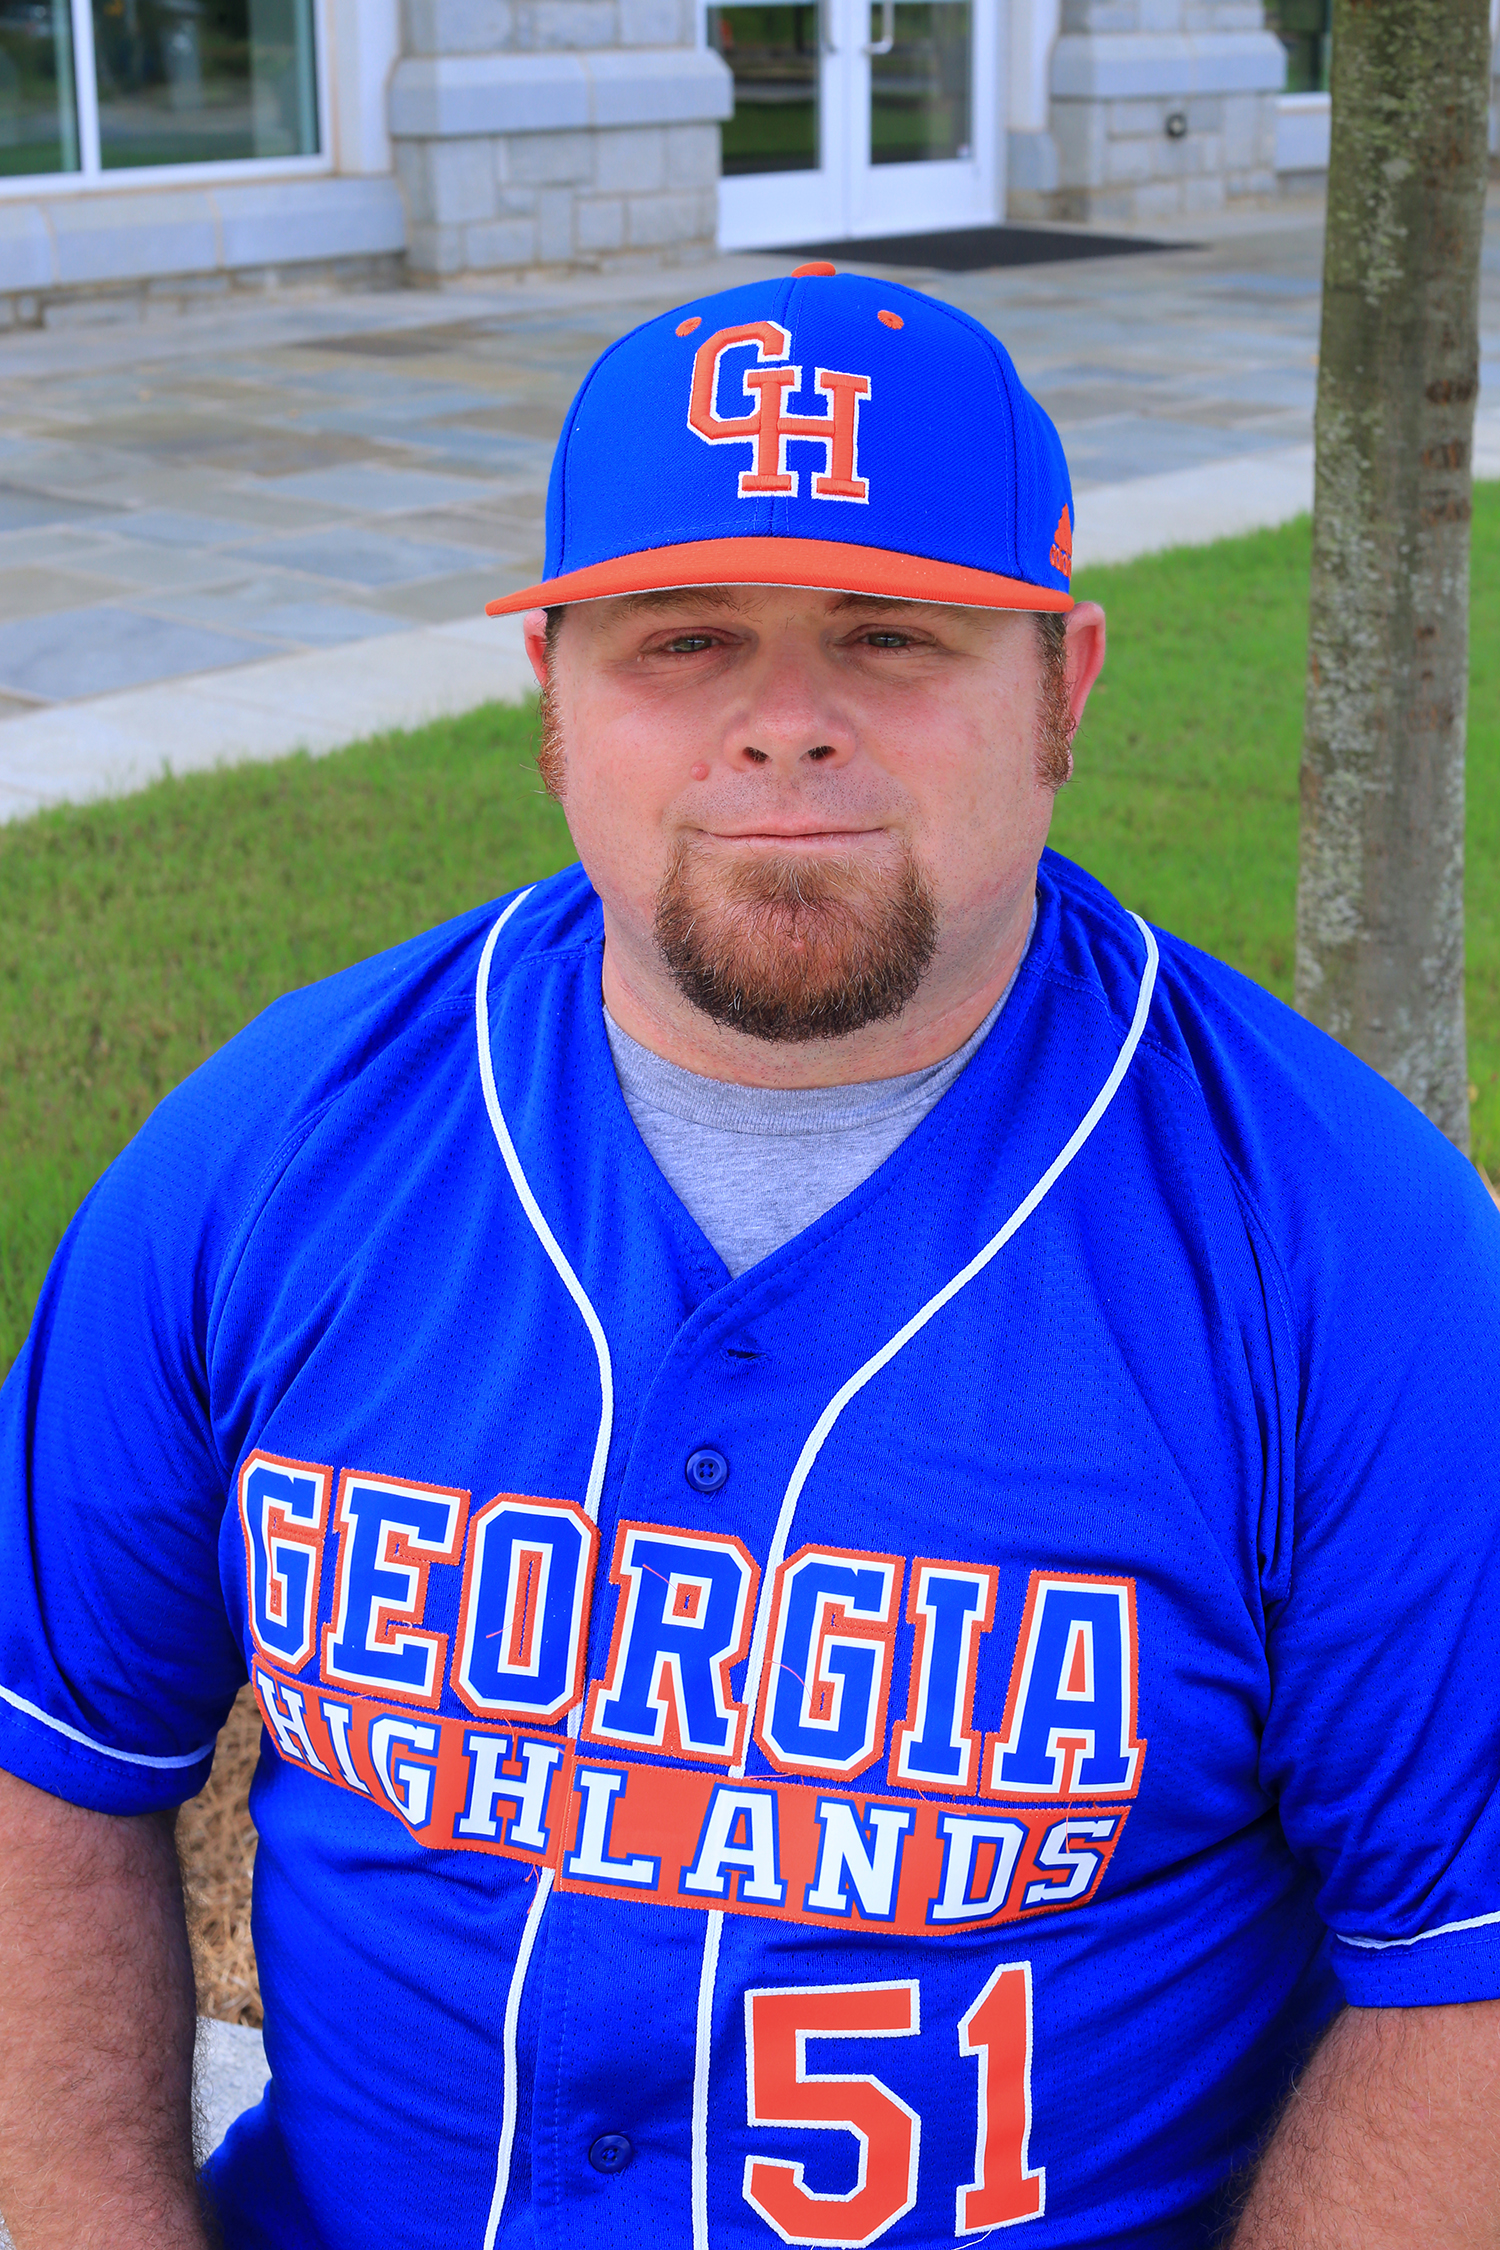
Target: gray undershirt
[(756, 1165)]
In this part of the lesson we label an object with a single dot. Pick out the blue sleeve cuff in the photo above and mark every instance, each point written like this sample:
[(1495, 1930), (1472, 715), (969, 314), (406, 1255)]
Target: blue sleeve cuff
[(53, 1755), (1460, 1961)]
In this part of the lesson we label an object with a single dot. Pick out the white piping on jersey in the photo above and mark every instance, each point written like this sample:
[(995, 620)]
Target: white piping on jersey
[(809, 1454), (702, 2057), (102, 1749), (575, 1289), (539, 1226), (805, 1460), (1444, 1929), (512, 2016)]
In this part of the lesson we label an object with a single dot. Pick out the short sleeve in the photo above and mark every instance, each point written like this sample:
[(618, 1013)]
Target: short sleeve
[(117, 1660), (119, 1430), (1383, 1742)]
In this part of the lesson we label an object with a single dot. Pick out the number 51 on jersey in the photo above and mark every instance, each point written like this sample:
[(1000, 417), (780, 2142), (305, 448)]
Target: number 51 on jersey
[(996, 2032)]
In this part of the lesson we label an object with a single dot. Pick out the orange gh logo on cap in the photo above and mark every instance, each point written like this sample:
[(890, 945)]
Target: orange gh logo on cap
[(1062, 545), (768, 425)]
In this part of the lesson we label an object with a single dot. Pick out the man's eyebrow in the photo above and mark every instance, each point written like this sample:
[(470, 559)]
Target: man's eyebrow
[(877, 601), (679, 598), (676, 597)]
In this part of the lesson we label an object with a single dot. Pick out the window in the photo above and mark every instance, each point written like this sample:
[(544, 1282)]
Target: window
[(919, 91), (773, 54), (38, 117), (1302, 26), (94, 86)]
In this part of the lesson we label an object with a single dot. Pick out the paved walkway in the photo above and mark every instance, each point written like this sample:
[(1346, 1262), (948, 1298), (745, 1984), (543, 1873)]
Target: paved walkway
[(229, 534)]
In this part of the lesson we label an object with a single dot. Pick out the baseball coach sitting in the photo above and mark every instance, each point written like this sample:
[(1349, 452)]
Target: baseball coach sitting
[(860, 1494)]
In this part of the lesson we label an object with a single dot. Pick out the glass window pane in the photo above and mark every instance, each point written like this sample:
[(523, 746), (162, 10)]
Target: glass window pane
[(1303, 28), (772, 53), (38, 115), (920, 92), (204, 81)]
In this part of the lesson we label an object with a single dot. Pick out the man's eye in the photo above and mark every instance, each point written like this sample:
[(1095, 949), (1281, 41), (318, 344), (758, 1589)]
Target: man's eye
[(888, 640), (688, 644)]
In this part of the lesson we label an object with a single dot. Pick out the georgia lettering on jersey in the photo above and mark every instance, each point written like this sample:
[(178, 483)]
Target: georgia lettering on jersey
[(429, 1656)]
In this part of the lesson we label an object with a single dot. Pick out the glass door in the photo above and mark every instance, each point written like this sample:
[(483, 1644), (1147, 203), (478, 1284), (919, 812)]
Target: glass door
[(924, 156), (784, 160), (857, 117)]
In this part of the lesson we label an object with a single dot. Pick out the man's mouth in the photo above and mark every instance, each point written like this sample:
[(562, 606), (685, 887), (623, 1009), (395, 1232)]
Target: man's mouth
[(793, 838)]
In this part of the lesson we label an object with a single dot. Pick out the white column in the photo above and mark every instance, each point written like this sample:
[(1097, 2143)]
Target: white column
[(1031, 154), (1033, 28), (362, 43)]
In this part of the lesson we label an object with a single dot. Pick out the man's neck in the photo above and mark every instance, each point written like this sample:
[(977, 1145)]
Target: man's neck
[(954, 999)]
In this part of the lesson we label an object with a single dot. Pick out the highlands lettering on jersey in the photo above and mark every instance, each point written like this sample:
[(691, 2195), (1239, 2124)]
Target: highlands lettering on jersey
[(672, 1835), (927, 1826)]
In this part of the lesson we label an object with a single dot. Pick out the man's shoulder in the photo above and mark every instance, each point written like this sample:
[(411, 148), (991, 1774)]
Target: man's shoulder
[(235, 1118), (318, 1037), (1316, 1142)]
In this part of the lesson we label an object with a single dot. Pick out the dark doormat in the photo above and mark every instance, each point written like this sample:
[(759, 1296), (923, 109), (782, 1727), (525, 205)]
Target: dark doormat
[(968, 249)]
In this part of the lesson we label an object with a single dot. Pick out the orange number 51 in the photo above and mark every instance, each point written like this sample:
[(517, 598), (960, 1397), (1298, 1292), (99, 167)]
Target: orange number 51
[(779, 2021)]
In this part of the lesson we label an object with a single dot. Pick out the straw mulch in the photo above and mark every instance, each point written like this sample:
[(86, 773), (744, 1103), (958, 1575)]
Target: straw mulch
[(216, 1845)]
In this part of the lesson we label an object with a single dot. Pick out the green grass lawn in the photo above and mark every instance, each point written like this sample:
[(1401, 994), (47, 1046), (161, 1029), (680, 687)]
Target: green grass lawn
[(136, 936)]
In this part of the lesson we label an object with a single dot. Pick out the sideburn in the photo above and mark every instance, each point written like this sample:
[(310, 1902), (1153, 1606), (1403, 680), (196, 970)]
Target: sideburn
[(1054, 719), (551, 758)]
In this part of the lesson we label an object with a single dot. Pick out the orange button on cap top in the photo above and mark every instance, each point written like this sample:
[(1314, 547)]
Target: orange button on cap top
[(800, 273)]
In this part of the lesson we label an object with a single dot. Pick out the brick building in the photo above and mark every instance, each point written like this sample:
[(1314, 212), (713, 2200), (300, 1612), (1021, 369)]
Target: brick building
[(174, 147)]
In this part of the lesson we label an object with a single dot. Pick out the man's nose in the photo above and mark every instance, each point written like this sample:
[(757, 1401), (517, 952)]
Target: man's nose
[(790, 714)]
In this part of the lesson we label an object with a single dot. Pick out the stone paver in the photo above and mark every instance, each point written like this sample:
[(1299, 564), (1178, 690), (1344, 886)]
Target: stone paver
[(227, 534)]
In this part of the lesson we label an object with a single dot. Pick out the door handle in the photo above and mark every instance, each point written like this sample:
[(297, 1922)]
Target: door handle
[(887, 39)]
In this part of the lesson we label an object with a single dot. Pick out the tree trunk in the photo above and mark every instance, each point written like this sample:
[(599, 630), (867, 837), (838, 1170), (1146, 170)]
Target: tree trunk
[(1380, 933)]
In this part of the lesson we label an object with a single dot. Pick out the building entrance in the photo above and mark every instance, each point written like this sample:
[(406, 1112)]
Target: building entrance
[(857, 117)]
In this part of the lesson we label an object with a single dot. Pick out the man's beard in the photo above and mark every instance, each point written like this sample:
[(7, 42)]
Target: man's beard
[(727, 932), (868, 936)]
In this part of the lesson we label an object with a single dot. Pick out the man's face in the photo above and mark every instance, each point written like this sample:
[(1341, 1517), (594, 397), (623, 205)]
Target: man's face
[(806, 809)]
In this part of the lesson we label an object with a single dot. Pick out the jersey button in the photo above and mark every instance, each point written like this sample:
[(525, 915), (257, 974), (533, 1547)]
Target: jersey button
[(706, 1470), (611, 2152)]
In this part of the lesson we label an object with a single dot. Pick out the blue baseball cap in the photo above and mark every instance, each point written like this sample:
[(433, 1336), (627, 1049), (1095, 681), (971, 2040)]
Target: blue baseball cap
[(824, 430)]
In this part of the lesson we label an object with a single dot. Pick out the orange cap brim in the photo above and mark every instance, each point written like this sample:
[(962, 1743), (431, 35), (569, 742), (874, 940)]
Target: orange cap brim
[(835, 566)]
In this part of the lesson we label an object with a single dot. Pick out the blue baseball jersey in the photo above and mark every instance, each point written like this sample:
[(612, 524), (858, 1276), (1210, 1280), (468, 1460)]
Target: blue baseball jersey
[(915, 1740)]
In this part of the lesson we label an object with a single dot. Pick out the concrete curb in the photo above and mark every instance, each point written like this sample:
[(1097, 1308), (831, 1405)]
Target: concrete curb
[(315, 701), (230, 2073)]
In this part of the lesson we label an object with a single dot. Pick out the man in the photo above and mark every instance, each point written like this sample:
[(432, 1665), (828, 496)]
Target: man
[(860, 1495)]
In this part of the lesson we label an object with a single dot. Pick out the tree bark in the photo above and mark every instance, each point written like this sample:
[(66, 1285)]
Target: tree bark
[(1380, 936)]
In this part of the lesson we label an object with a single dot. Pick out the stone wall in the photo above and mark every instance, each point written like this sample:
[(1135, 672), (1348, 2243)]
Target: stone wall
[(555, 132), (1159, 109), (121, 252)]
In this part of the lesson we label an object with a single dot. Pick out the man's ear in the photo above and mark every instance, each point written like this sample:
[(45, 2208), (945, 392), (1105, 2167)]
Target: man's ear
[(534, 629), (1085, 654)]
